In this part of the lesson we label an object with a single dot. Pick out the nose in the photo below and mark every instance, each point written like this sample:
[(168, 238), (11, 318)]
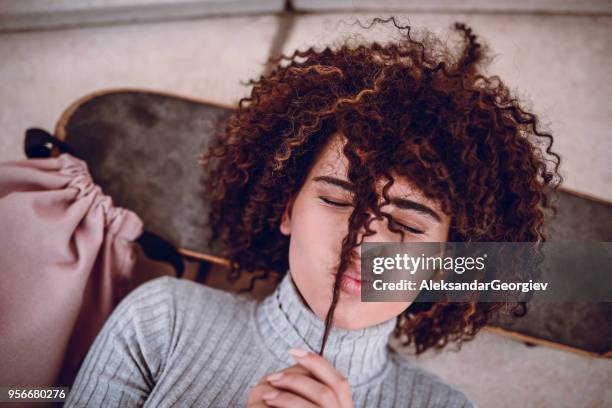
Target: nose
[(356, 255), (362, 239), (373, 226)]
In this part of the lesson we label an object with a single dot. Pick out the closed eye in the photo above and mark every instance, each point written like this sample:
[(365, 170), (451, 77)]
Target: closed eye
[(334, 203), (405, 227), (395, 223)]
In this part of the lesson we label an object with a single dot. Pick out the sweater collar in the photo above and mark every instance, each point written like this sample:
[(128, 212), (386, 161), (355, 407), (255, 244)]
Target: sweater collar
[(285, 321)]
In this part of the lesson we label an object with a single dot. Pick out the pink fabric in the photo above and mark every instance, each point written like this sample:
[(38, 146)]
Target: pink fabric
[(66, 260)]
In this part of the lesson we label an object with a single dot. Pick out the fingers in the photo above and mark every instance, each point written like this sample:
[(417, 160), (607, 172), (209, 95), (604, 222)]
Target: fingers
[(280, 398), (325, 372), (319, 367), (255, 397), (263, 386), (297, 369), (305, 386), (313, 382)]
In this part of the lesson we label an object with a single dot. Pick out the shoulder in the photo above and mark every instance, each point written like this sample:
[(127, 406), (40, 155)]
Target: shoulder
[(191, 306), (183, 293), (427, 389), (158, 323)]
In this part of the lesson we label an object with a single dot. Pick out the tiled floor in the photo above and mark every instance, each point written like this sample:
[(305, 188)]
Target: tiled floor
[(561, 76), (41, 73), (499, 372), (559, 64)]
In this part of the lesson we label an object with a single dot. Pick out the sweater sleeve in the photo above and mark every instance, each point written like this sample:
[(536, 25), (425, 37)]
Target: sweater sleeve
[(126, 358)]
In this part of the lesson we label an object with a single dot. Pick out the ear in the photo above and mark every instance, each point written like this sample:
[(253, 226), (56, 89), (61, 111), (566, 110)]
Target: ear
[(285, 225)]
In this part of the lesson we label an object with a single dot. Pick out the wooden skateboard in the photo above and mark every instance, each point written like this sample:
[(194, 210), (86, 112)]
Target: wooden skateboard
[(141, 148)]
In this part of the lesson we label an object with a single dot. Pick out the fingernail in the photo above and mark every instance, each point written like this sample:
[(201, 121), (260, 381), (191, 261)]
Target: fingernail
[(274, 377), (296, 352), (270, 395)]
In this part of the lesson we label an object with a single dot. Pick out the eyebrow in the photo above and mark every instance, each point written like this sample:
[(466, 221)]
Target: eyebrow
[(402, 203)]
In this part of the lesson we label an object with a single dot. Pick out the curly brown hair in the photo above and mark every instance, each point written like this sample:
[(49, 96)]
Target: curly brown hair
[(411, 107)]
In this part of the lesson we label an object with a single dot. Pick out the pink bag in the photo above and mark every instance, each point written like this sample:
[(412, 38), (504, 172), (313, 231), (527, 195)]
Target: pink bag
[(66, 260)]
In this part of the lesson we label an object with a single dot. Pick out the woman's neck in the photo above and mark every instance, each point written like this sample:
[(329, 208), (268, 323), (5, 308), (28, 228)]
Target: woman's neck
[(285, 320)]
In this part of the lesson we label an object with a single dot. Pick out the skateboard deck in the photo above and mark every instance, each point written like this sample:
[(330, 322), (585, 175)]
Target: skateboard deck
[(142, 147)]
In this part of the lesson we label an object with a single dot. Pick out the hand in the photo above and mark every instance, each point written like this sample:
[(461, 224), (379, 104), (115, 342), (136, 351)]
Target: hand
[(321, 385), (264, 387)]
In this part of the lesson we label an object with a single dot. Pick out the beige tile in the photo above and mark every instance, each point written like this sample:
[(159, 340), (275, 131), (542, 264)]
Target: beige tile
[(498, 372), (558, 64), (20, 15), (43, 72), (567, 6)]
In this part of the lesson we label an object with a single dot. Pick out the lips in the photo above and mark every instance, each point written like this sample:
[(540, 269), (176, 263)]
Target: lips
[(350, 286), (353, 275), (351, 283)]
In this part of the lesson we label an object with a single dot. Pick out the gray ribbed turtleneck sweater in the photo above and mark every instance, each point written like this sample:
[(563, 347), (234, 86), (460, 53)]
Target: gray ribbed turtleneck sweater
[(174, 342)]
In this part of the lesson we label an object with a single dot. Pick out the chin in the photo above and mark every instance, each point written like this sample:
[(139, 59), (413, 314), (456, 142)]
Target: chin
[(349, 316)]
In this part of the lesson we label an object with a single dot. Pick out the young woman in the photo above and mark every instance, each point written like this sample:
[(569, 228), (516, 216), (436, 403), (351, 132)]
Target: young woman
[(376, 143)]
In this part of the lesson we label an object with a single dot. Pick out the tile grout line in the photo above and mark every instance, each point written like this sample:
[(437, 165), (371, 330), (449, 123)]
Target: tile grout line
[(286, 22)]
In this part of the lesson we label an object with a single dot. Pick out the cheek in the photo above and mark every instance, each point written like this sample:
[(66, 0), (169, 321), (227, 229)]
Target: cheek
[(317, 231), (314, 246), (440, 234)]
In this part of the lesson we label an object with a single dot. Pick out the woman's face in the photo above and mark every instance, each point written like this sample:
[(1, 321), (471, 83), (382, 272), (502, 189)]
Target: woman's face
[(317, 221)]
